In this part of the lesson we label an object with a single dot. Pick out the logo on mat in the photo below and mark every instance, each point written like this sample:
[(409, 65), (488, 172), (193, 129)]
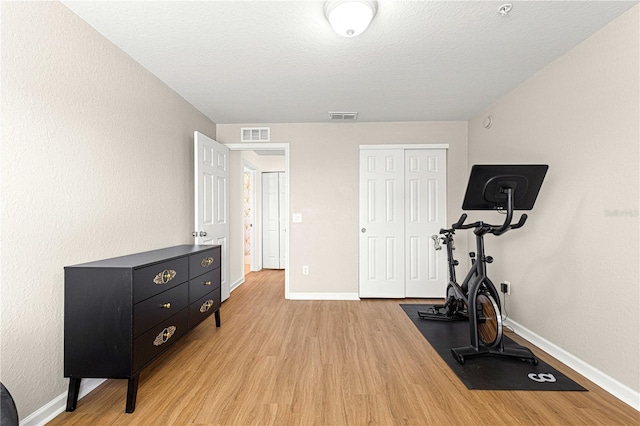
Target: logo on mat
[(542, 377)]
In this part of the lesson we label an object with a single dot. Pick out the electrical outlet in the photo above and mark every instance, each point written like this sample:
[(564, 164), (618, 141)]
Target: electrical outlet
[(505, 287), (305, 270)]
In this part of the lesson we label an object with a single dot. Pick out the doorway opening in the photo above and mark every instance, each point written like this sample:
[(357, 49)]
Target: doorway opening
[(249, 217), (265, 151)]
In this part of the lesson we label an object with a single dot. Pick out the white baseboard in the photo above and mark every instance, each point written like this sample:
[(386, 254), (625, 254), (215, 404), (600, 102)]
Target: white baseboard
[(236, 284), (323, 296), (606, 382), (48, 412)]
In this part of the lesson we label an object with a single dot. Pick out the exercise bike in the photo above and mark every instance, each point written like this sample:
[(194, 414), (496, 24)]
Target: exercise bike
[(499, 187)]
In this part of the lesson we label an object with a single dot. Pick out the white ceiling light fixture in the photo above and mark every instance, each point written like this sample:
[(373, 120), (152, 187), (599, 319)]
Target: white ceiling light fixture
[(350, 18)]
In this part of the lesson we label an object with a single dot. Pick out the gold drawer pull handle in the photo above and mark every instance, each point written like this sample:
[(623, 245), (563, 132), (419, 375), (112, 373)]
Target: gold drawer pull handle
[(166, 305), (164, 335), (206, 306), (206, 262), (165, 276), (207, 283)]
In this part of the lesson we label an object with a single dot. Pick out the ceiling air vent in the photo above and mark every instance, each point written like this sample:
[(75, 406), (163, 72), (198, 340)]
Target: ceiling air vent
[(343, 115), (256, 134)]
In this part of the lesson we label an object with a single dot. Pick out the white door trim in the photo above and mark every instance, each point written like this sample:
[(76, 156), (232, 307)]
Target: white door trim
[(272, 146), (407, 146)]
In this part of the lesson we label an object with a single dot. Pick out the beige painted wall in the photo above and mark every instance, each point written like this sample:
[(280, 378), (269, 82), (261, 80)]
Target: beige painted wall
[(96, 162), (324, 188), (574, 266), (272, 163)]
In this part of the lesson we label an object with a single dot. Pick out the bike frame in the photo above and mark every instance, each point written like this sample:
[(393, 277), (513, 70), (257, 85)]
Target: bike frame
[(473, 282)]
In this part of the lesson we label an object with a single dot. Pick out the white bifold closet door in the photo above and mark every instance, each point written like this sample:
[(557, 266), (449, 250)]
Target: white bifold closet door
[(402, 199), (274, 220)]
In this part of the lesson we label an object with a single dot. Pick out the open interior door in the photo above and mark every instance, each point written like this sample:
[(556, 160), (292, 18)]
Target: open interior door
[(211, 183)]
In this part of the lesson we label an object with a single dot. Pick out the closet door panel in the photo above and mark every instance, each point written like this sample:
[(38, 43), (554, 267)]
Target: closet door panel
[(425, 215), (381, 223)]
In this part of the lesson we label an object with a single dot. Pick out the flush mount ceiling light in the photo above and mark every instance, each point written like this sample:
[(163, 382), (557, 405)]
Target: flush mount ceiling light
[(350, 18)]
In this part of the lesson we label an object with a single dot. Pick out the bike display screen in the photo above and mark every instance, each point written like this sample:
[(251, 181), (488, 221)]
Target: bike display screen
[(488, 185)]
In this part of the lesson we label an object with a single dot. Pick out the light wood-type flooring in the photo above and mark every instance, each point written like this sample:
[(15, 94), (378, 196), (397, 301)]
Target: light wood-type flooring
[(286, 362)]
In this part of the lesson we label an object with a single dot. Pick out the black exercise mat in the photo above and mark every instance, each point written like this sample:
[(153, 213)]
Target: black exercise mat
[(487, 372)]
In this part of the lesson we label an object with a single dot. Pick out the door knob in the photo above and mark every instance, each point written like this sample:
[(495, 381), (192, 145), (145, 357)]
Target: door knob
[(194, 234), (203, 234), (364, 230)]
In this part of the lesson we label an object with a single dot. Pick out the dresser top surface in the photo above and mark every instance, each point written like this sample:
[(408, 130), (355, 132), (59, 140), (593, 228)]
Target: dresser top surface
[(146, 258)]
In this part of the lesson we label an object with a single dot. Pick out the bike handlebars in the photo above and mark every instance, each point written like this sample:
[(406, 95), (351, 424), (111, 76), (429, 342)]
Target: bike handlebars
[(484, 228), (458, 224), (521, 222)]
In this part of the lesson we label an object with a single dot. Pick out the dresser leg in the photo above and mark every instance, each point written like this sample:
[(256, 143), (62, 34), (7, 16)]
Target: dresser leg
[(72, 395), (217, 315), (132, 392)]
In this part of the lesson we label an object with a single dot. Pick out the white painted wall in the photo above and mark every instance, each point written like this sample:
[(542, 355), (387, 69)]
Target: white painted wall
[(96, 162), (324, 188), (574, 266)]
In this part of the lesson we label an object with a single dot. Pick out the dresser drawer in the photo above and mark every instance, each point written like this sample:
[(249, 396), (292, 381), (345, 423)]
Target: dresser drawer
[(203, 284), (122, 313), (154, 279), (158, 339), (204, 307), (203, 262), (158, 308)]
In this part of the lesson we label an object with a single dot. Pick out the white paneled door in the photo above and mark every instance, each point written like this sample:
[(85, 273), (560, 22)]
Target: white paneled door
[(402, 200), (282, 216), (274, 220), (425, 214), (211, 183), (381, 253)]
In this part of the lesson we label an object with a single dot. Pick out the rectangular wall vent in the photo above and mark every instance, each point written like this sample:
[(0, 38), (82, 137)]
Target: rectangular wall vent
[(255, 134), (343, 115)]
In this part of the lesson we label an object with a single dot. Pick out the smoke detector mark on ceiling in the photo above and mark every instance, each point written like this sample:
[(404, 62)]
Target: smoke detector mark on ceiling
[(505, 9), (343, 115)]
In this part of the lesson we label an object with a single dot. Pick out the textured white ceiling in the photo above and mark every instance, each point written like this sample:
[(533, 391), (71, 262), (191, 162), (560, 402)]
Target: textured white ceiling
[(280, 62)]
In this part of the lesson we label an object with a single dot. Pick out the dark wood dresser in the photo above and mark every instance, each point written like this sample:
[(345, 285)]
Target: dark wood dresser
[(122, 313)]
